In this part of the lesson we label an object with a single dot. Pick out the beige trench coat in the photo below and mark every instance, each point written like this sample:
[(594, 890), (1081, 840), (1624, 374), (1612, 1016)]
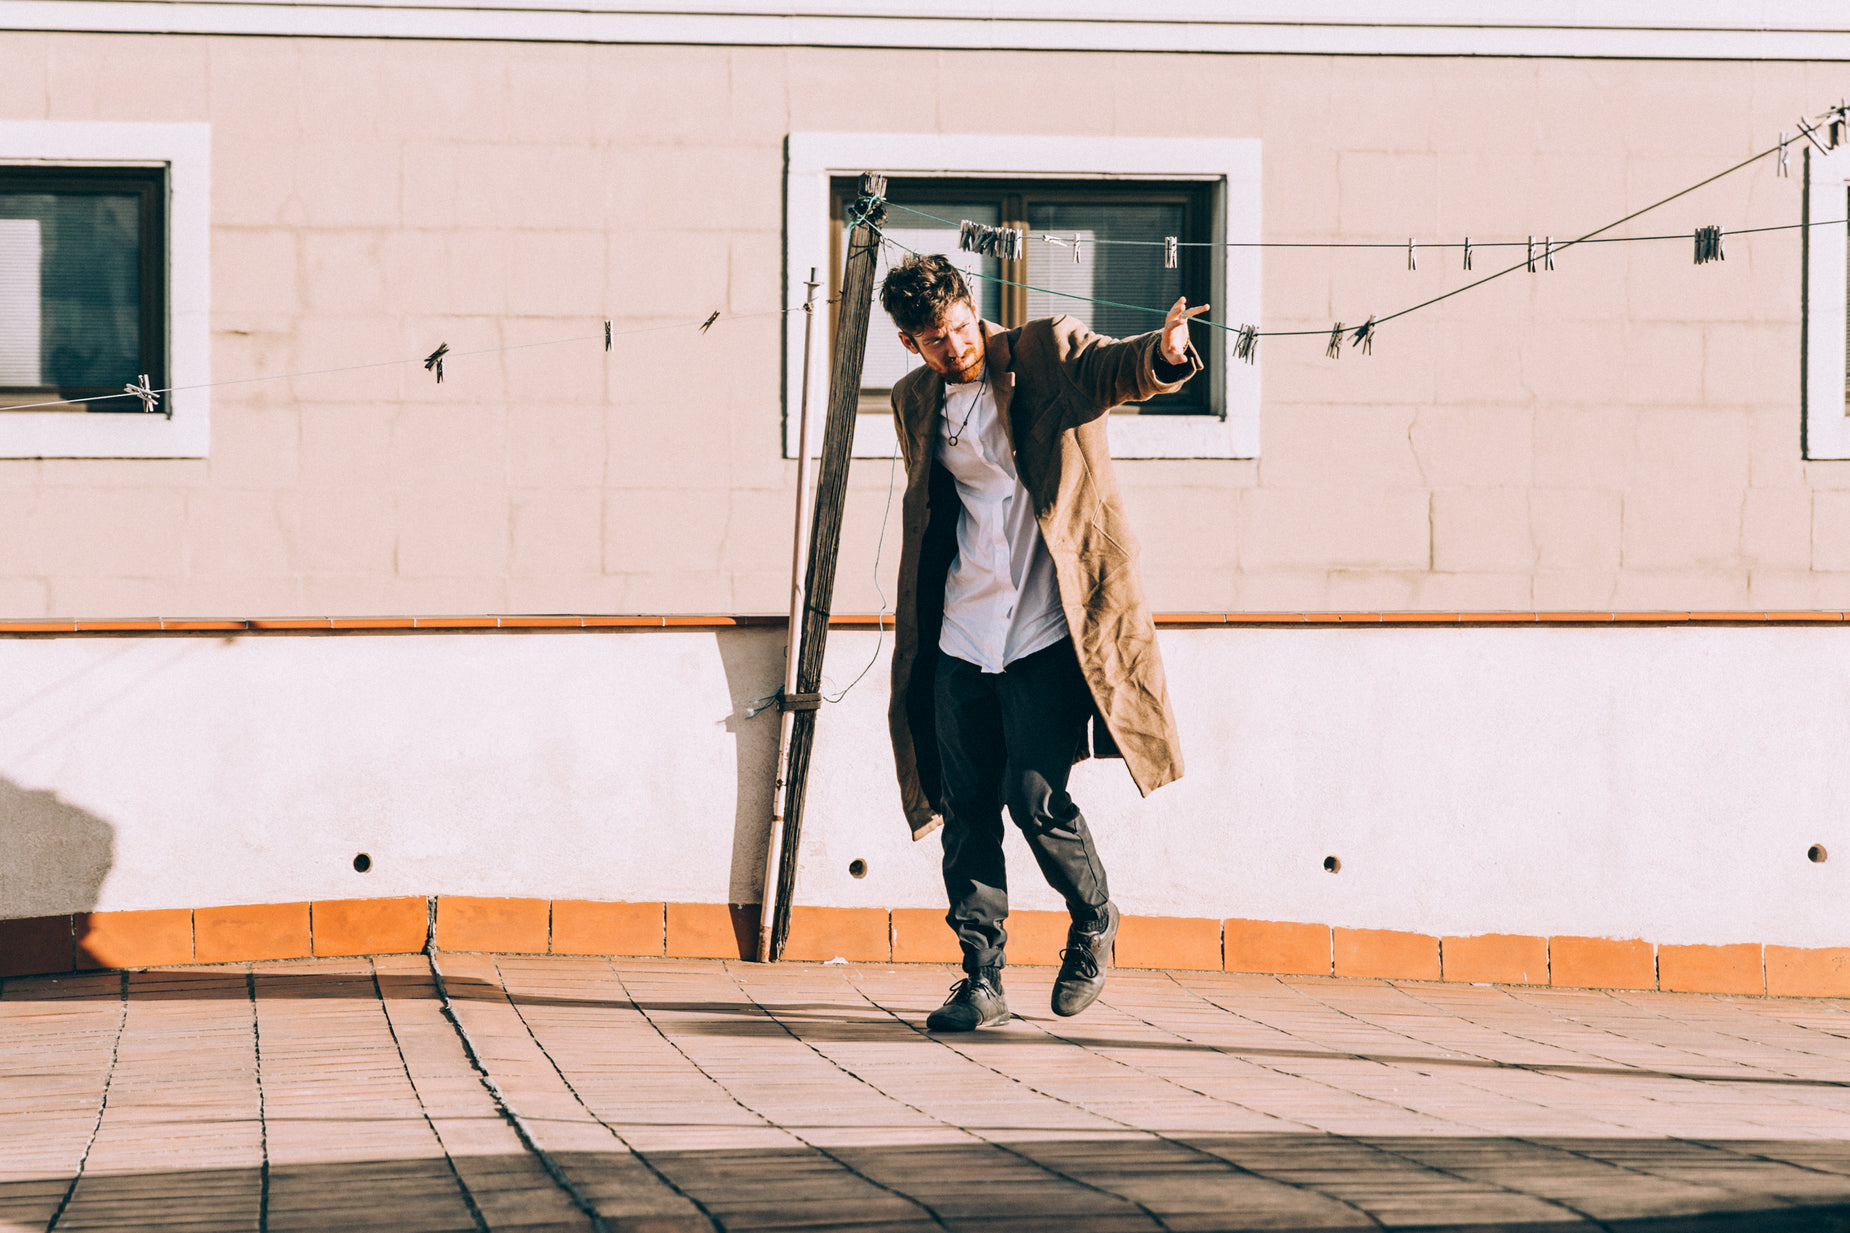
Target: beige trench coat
[(1054, 381)]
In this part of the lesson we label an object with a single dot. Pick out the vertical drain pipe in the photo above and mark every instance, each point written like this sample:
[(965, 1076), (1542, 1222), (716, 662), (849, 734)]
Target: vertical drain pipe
[(774, 845)]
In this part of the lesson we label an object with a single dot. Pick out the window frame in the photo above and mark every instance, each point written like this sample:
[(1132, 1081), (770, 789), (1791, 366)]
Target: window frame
[(182, 151), (1824, 405), (1014, 198), (1229, 166), (149, 183)]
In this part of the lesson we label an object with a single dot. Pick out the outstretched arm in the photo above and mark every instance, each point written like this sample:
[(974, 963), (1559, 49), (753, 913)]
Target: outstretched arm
[(1109, 373)]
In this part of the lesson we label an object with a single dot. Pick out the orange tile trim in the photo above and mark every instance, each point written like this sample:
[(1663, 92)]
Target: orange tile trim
[(1167, 620), (48, 945)]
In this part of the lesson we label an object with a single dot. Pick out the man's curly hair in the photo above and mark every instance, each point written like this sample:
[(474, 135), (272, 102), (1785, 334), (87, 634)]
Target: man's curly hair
[(919, 291)]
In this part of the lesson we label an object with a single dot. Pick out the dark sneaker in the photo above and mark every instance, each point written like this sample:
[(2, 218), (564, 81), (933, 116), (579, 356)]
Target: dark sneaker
[(1084, 962), (976, 1001)]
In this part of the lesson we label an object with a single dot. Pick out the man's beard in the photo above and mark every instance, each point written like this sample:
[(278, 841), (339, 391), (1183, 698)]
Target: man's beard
[(968, 373)]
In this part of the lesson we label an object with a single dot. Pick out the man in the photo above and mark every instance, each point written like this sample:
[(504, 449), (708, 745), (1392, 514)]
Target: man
[(1020, 618)]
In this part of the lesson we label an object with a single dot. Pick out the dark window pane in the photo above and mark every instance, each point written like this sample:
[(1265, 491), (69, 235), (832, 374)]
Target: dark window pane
[(923, 215), (70, 289), (1124, 273)]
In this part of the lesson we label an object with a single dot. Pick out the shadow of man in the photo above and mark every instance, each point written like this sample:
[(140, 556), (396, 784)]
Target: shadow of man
[(56, 857)]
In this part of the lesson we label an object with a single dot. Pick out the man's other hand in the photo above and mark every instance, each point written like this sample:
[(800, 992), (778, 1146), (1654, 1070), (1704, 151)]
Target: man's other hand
[(1175, 329)]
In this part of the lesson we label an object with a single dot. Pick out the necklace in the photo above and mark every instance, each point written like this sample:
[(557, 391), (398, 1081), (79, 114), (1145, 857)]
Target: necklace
[(971, 410)]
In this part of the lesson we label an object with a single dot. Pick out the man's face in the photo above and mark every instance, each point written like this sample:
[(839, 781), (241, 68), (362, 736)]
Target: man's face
[(954, 347)]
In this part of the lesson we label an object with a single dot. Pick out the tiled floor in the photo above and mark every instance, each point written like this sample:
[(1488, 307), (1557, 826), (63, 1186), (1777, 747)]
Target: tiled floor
[(649, 1095)]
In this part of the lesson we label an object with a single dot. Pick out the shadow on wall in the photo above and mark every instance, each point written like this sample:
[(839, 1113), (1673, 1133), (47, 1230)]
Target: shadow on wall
[(55, 858), (754, 665)]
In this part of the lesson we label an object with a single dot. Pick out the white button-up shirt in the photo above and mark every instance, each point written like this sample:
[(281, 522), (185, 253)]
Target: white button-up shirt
[(1001, 599)]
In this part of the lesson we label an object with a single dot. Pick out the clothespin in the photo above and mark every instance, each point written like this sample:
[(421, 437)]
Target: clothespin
[(1548, 252), (1335, 350), (1531, 254), (1076, 245), (1709, 245), (1467, 252), (1169, 252), (434, 361), (1365, 337), (606, 333), (144, 391), (705, 325), (1245, 343), (1811, 134), (1780, 168), (985, 240), (1835, 130), (1413, 256)]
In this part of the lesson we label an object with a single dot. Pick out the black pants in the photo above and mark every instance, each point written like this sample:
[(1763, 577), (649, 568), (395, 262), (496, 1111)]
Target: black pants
[(1009, 738)]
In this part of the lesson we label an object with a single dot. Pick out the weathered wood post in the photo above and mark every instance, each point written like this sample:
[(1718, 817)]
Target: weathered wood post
[(786, 721), (868, 212)]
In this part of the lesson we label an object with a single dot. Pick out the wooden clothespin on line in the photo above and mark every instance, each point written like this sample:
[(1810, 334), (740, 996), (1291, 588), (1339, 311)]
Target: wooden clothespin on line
[(150, 397), (1245, 343), (1709, 245), (1811, 134), (1365, 336), (987, 241), (434, 361)]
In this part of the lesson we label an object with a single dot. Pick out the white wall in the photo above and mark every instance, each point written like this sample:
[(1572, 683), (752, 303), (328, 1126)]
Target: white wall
[(1661, 783)]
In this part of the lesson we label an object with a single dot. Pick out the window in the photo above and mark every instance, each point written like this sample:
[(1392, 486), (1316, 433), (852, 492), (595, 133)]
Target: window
[(1103, 187), (82, 285), (1120, 228), (105, 238), (1825, 391)]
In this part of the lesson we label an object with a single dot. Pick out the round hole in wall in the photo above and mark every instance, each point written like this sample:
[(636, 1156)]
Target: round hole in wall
[(362, 863), (857, 868), (1816, 854), (1332, 864)]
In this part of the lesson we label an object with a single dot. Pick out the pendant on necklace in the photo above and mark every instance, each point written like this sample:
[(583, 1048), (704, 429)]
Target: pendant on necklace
[(958, 432)]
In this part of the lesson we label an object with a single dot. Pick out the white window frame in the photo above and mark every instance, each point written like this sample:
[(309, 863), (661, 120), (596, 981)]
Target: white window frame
[(1827, 428), (1233, 163), (186, 151)]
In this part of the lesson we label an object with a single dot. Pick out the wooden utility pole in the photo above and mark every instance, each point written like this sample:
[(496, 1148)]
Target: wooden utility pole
[(868, 211), (793, 635)]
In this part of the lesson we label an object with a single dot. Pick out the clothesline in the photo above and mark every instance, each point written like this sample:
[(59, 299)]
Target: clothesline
[(1837, 117), (1363, 335), (1397, 245), (608, 336)]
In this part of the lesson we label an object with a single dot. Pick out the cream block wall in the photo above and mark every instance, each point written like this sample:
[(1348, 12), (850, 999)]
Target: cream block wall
[(1644, 782), (1621, 432)]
